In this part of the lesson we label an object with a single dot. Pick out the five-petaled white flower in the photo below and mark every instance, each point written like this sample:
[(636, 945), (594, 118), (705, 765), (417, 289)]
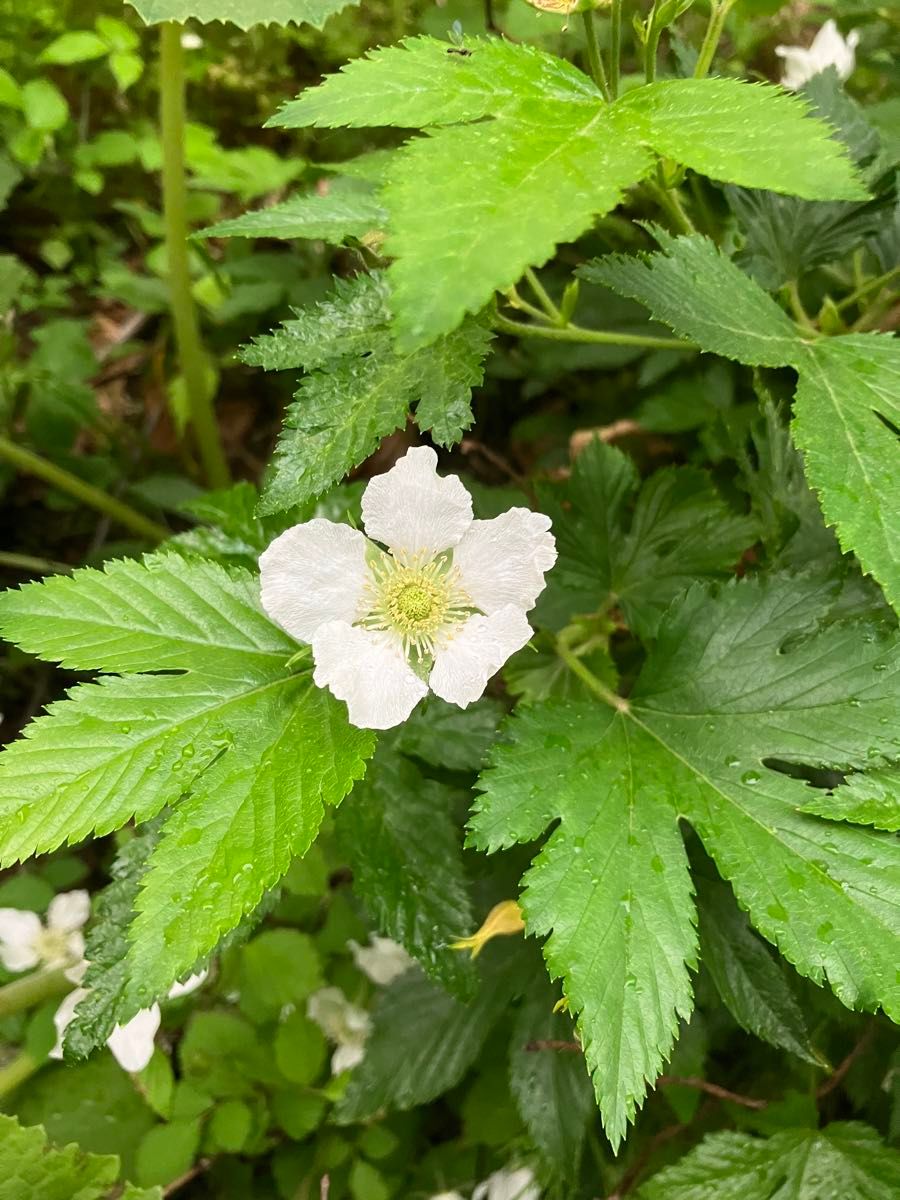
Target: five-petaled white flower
[(383, 960), (828, 49), (343, 1023), (508, 1184), (131, 1044), (26, 942), (442, 608)]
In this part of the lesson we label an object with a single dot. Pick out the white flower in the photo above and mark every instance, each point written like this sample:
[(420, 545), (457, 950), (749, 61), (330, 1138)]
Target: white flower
[(509, 1185), (131, 1044), (191, 41), (383, 960), (443, 607), (828, 49), (342, 1023), (448, 1196), (26, 942)]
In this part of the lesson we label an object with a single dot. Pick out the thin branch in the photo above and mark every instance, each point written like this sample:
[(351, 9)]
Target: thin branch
[(836, 1078), (555, 1044), (634, 1172), (711, 1089)]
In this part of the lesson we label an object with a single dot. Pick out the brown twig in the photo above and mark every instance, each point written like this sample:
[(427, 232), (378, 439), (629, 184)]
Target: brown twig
[(554, 1044), (835, 1079), (472, 446), (711, 1089), (582, 438), (634, 1172), (197, 1169)]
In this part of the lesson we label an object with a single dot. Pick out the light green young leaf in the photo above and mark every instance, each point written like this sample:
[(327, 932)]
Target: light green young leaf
[(404, 849), (845, 1159), (872, 798), (634, 548), (243, 13), (846, 416), (734, 681), (425, 82), (424, 1041), (31, 1166), (334, 217), (752, 986), (78, 45), (728, 314), (747, 133)]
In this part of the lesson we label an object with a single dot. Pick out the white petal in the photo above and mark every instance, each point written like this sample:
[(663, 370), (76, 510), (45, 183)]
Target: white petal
[(369, 672), (508, 1185), (68, 911), (503, 561), (132, 1044), (478, 651), (311, 574), (339, 1020), (798, 66), (383, 960), (346, 1057), (62, 1018), (19, 933), (77, 971), (75, 947), (412, 510), (177, 990), (448, 1196)]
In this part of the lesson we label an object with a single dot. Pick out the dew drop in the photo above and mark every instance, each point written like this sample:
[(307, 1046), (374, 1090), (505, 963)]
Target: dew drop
[(751, 777)]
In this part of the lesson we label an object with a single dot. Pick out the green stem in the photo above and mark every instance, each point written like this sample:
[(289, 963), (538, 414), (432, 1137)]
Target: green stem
[(576, 333), (869, 286), (650, 52), (801, 316), (516, 301), (544, 297), (31, 990), (717, 14), (589, 679), (615, 47), (595, 62), (22, 1067), (65, 481), (35, 566), (184, 314), (669, 200)]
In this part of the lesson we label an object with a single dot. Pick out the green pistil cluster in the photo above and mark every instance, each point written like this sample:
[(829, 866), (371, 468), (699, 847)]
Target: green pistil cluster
[(420, 603)]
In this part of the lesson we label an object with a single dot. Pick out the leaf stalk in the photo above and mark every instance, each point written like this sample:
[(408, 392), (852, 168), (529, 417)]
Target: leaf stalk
[(577, 333)]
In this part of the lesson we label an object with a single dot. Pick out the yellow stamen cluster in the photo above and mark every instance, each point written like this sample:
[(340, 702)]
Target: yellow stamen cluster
[(419, 601)]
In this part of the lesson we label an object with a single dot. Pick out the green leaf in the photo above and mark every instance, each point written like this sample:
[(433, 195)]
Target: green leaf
[(442, 735), (752, 134), (167, 1152), (404, 849), (251, 751), (633, 548), (552, 1089), (846, 416), (243, 13), (423, 1041), (44, 106), (424, 82), (736, 680), (752, 986), (30, 1166), (845, 1159), (74, 47), (864, 799), (341, 213), (728, 314), (360, 389), (279, 969)]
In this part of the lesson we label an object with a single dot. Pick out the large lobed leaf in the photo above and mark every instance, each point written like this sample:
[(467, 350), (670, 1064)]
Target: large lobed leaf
[(243, 13), (734, 682), (552, 157), (247, 751)]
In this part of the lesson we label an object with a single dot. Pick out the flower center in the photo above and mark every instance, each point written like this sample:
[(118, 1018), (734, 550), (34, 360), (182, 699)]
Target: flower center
[(52, 945), (418, 602)]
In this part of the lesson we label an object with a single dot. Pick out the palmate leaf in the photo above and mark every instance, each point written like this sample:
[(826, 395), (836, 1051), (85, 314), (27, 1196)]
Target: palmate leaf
[(243, 13), (735, 680), (404, 850), (635, 548), (845, 1159), (872, 798), (29, 1166), (246, 750), (360, 389), (552, 157), (846, 410)]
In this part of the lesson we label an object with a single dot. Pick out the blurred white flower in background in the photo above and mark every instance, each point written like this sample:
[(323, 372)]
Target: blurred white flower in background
[(509, 1185), (131, 1044), (442, 608), (191, 41), (343, 1023), (828, 49), (383, 960), (27, 942)]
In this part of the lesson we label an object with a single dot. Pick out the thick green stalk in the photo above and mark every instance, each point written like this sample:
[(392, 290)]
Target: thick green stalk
[(577, 333), (14, 1073), (867, 286), (615, 47), (184, 314), (595, 62), (31, 990), (589, 679), (544, 297), (717, 14), (65, 481), (31, 564)]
